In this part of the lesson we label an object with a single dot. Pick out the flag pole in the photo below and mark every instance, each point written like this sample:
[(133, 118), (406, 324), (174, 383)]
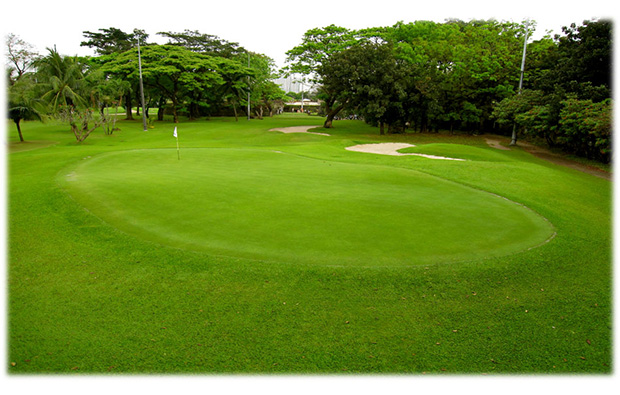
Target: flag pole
[(177, 137)]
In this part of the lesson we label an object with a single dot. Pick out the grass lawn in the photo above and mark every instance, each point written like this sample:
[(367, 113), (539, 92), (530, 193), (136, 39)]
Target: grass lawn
[(264, 252)]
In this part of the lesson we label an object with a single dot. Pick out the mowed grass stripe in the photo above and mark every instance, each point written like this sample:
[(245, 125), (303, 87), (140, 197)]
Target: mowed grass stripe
[(269, 205)]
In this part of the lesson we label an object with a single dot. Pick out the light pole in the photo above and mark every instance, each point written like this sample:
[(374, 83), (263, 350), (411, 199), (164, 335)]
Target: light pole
[(141, 83), (514, 127)]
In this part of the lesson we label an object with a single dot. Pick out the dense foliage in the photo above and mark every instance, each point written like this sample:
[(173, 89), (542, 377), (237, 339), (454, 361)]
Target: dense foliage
[(193, 75), (465, 75), (567, 101)]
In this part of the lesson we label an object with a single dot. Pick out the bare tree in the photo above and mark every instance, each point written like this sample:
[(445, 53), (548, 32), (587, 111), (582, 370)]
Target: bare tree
[(20, 56)]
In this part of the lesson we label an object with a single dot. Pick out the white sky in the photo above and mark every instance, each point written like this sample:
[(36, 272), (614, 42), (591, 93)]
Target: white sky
[(268, 27)]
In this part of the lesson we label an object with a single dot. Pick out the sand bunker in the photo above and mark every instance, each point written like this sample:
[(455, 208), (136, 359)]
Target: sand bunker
[(392, 149), (297, 129)]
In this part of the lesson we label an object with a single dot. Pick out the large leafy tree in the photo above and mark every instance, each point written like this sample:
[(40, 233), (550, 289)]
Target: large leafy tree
[(264, 93), (204, 43), (584, 56), (317, 46), (231, 60), (571, 78), (457, 69), (235, 85), (112, 40), (177, 73), (367, 79)]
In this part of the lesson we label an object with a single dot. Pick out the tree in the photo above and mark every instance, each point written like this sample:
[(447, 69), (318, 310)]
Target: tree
[(316, 47), (586, 128), (568, 103), (61, 80), (264, 93), (584, 55), (235, 84), (20, 56), (178, 74), (457, 69), (113, 40), (23, 104), (64, 88), (106, 92), (204, 43), (366, 78)]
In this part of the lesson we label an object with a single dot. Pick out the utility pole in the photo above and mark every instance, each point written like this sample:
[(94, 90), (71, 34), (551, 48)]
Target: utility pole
[(141, 83), (514, 127)]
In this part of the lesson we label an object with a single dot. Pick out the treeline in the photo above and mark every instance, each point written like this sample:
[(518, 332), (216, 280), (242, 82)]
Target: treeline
[(425, 76), (194, 75)]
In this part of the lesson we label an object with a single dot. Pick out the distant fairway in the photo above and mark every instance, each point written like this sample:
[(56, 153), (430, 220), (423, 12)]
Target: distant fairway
[(276, 206)]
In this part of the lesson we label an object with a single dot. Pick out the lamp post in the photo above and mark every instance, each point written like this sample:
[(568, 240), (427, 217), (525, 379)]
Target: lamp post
[(141, 83), (514, 127)]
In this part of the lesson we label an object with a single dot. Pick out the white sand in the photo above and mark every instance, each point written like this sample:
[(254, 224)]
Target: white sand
[(392, 149), (297, 129)]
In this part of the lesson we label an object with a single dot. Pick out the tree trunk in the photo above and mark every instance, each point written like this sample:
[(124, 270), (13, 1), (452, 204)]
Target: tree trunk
[(19, 130), (129, 117), (331, 114), (175, 116), (381, 128), (235, 110), (259, 112), (161, 108)]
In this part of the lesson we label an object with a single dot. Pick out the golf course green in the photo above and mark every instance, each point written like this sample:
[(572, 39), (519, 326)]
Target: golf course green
[(271, 205), (252, 251)]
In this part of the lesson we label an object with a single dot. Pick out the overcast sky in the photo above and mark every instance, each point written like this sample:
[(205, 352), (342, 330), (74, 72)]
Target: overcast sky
[(268, 27)]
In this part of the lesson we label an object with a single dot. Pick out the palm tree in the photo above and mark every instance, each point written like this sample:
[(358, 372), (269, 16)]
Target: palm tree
[(64, 87), (61, 80), (23, 104)]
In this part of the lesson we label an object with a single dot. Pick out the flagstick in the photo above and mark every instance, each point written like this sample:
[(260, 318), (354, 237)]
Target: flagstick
[(178, 152)]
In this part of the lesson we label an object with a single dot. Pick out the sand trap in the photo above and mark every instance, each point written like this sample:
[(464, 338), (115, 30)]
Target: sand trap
[(392, 149), (297, 129)]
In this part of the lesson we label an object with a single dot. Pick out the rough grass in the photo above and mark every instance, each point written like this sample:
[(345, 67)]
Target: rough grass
[(87, 297)]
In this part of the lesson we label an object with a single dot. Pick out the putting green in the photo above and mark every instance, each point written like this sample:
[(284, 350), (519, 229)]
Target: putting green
[(273, 206)]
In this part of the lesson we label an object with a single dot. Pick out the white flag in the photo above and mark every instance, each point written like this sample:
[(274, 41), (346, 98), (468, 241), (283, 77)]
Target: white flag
[(175, 132)]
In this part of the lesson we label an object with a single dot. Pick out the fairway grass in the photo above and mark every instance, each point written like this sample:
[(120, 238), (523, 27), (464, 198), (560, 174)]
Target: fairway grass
[(266, 205), (265, 252)]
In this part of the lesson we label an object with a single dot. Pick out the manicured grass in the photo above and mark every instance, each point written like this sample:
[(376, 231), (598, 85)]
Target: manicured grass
[(270, 205), (96, 287)]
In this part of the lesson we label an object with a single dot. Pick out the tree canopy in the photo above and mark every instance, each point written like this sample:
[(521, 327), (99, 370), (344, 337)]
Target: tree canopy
[(417, 76), (426, 75)]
